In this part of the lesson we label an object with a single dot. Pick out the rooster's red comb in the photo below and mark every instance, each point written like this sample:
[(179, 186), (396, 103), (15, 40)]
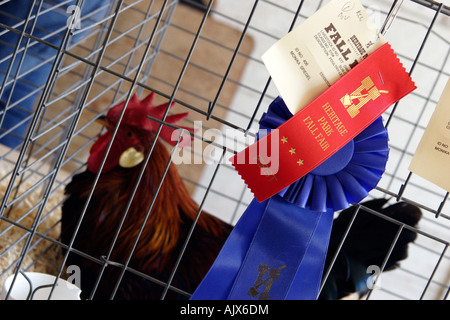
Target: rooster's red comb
[(136, 116)]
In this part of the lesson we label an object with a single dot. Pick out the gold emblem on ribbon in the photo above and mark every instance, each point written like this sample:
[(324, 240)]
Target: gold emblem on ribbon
[(366, 92), (272, 275)]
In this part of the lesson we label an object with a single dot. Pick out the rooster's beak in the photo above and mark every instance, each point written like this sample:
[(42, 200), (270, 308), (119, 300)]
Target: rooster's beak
[(104, 122)]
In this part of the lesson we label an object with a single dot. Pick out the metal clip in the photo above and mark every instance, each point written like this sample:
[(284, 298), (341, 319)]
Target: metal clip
[(391, 16)]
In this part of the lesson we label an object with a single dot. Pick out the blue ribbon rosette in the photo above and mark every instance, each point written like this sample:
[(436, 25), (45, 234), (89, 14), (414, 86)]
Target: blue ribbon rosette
[(278, 247)]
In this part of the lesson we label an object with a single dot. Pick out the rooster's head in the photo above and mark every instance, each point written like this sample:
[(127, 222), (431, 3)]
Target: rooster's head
[(135, 133)]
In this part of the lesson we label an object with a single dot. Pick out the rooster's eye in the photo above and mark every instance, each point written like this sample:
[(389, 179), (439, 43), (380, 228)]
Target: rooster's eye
[(129, 134)]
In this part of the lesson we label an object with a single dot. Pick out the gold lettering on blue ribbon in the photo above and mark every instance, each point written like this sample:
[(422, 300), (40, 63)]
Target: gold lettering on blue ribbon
[(272, 275), (371, 93)]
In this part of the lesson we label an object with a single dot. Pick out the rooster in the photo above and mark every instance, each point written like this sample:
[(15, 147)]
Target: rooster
[(166, 229), (173, 214)]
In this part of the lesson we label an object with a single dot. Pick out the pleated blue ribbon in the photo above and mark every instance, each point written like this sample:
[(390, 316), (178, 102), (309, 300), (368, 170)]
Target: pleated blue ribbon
[(278, 247)]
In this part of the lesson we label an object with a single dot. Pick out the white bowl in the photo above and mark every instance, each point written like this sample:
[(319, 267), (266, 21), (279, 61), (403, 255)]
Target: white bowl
[(64, 290)]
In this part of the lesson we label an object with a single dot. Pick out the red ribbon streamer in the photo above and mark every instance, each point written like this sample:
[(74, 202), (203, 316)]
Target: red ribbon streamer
[(325, 125)]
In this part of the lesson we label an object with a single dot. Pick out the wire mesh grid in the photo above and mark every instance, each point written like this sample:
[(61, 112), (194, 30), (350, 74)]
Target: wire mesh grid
[(206, 58)]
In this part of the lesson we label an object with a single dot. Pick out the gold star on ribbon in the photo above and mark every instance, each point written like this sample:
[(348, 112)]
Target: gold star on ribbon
[(292, 151), (284, 139), (300, 162)]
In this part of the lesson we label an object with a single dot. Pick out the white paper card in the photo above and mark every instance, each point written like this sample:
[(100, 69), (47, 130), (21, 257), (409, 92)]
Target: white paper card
[(314, 55), (432, 157)]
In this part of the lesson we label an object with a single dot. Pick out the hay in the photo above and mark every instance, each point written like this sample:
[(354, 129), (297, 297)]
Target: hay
[(43, 255)]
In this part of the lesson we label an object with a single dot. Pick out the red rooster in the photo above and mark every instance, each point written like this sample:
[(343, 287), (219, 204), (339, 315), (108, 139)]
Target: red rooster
[(168, 223)]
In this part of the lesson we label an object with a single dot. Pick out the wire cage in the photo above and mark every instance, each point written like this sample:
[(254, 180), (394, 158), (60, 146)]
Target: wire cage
[(65, 63)]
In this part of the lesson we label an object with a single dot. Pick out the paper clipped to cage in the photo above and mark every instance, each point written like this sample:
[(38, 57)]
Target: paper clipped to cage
[(432, 156), (314, 55)]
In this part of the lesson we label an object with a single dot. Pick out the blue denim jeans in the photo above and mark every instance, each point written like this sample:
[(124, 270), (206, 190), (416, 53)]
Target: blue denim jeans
[(19, 96)]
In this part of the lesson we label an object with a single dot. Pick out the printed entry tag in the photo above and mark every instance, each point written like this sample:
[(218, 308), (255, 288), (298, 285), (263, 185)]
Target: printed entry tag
[(313, 56), (432, 157)]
